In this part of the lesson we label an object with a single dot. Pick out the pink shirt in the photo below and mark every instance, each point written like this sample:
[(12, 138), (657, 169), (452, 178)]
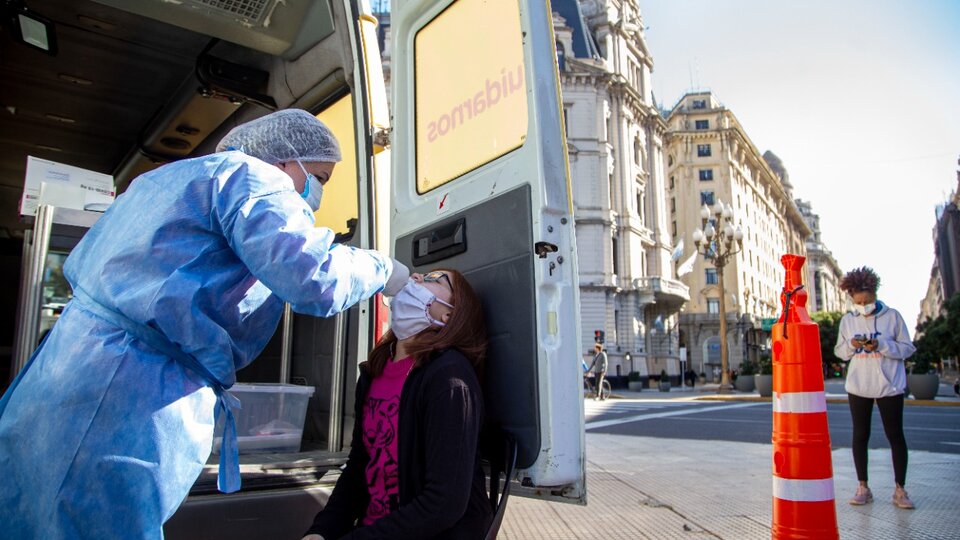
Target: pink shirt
[(380, 416)]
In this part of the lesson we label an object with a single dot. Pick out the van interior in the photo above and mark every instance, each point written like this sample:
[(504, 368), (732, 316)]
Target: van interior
[(123, 86)]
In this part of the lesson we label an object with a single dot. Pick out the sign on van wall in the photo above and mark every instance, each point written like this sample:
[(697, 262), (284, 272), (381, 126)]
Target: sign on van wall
[(471, 99), (65, 186)]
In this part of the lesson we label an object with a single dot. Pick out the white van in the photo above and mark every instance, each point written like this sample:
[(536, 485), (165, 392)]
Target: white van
[(469, 173)]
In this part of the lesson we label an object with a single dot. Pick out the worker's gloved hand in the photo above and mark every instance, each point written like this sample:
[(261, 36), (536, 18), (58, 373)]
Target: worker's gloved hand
[(312, 537), (398, 278)]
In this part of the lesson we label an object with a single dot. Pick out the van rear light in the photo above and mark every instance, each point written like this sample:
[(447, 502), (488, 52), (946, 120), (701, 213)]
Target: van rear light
[(381, 317)]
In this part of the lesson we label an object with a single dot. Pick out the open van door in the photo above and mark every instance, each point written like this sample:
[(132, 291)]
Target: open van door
[(481, 184)]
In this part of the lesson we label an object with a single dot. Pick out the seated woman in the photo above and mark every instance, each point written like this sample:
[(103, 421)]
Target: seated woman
[(414, 465)]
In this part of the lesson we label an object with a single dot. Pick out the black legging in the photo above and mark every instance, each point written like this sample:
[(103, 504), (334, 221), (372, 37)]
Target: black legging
[(891, 414)]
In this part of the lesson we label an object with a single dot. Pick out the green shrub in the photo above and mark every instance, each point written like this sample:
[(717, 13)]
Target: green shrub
[(633, 376), (765, 364), (748, 368)]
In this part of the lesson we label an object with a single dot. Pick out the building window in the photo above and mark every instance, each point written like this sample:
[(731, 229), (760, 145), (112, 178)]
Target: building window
[(699, 104), (674, 228), (706, 174), (566, 125), (672, 183), (706, 197), (669, 161), (703, 150), (711, 275), (673, 204), (616, 265), (702, 124), (713, 306), (641, 202), (561, 57)]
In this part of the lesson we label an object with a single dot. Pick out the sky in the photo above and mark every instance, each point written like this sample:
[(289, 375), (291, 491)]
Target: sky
[(860, 99)]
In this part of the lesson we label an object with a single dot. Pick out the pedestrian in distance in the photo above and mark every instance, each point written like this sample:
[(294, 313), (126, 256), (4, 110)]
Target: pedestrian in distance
[(178, 285), (874, 339), (599, 368), (414, 466)]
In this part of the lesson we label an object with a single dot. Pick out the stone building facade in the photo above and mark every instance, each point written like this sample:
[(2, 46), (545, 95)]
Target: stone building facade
[(615, 137), (710, 158), (822, 273)]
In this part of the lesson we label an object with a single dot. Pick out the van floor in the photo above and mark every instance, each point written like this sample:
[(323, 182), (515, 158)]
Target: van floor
[(272, 471)]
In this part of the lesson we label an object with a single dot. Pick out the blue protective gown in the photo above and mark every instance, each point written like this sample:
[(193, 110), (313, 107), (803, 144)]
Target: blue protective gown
[(103, 434)]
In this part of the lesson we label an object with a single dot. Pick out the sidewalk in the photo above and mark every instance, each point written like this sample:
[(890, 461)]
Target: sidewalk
[(833, 388), (655, 488)]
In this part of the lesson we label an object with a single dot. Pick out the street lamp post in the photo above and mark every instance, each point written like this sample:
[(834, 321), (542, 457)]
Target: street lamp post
[(719, 244)]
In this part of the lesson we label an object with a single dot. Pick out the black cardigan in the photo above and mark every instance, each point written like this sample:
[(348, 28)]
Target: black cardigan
[(441, 413)]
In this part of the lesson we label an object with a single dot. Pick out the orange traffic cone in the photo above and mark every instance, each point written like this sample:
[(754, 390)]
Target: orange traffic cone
[(803, 499)]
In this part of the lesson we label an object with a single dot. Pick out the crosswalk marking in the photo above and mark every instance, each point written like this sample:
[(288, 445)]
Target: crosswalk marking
[(666, 414)]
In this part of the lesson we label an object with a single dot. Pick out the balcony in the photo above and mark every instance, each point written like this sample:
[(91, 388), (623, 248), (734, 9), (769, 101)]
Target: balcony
[(669, 293)]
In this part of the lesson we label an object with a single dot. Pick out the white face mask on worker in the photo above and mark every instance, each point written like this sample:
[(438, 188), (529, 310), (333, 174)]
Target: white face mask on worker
[(865, 309)]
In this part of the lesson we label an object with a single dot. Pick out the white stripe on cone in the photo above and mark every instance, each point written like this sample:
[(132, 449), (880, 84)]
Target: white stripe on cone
[(803, 490), (800, 402)]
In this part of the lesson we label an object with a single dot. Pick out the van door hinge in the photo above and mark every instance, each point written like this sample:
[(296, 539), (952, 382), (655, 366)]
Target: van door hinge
[(381, 139)]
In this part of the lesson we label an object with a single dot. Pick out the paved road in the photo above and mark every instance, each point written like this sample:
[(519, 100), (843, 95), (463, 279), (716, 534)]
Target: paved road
[(932, 429), (665, 467)]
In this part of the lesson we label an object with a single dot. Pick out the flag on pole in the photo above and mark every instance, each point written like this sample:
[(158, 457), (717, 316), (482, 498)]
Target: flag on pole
[(687, 265), (677, 251)]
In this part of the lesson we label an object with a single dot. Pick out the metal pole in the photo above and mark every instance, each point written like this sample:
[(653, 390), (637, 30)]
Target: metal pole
[(286, 344), (339, 358), (31, 287), (720, 262)]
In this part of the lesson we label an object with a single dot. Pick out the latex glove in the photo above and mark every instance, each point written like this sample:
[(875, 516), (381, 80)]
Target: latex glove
[(398, 278)]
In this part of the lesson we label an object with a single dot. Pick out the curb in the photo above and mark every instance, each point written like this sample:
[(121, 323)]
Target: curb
[(906, 402)]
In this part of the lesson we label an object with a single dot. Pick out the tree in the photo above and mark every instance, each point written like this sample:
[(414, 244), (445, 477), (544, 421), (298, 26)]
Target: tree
[(938, 338), (829, 323)]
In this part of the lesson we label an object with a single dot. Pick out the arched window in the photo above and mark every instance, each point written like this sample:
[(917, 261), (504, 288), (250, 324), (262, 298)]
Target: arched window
[(669, 161)]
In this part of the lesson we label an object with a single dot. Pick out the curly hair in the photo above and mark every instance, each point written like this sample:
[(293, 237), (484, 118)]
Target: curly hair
[(862, 279)]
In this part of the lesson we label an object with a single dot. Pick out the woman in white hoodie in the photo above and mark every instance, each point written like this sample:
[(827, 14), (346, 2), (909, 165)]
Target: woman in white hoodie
[(874, 338)]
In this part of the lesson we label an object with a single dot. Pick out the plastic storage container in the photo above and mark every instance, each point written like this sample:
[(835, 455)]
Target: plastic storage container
[(270, 418)]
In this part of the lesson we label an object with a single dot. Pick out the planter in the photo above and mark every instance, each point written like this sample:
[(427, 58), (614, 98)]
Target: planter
[(702, 379), (923, 386), (744, 383), (635, 386), (764, 384), (665, 385)]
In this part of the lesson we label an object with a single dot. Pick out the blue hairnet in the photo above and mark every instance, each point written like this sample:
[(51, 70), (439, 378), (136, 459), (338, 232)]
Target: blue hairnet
[(287, 135)]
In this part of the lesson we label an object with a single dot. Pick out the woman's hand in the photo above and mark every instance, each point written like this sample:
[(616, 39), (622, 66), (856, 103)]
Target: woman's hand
[(870, 345), (312, 537)]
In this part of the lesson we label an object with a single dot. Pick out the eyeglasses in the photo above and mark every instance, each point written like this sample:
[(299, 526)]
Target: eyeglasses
[(436, 276)]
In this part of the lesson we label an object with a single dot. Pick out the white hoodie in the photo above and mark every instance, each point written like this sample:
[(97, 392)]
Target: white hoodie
[(880, 373)]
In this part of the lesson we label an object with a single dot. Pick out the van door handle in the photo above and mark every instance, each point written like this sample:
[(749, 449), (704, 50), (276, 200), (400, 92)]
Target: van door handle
[(440, 243)]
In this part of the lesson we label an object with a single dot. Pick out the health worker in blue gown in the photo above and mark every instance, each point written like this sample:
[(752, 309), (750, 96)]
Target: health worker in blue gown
[(179, 284)]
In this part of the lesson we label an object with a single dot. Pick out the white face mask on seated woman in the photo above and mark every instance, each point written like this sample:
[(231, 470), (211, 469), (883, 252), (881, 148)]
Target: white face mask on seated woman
[(410, 310)]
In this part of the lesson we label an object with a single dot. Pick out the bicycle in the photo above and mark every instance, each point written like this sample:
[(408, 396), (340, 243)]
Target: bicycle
[(605, 388)]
